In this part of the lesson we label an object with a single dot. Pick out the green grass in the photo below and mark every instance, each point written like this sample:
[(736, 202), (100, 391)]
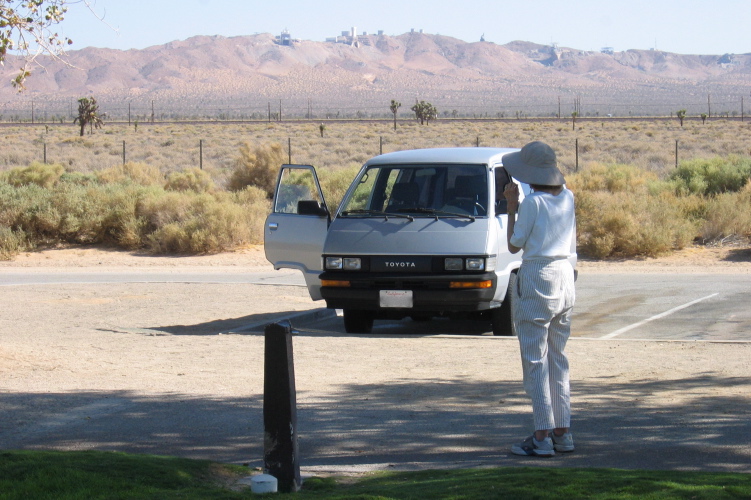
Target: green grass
[(92, 474)]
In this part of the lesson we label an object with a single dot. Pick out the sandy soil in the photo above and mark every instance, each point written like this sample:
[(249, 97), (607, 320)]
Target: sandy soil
[(721, 259)]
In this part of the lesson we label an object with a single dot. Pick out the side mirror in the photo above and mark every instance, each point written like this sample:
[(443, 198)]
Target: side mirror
[(311, 207)]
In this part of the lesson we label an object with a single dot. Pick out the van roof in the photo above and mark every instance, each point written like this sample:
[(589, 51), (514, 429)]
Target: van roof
[(488, 156)]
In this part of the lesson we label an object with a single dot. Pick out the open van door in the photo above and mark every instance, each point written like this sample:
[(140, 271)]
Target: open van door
[(296, 228)]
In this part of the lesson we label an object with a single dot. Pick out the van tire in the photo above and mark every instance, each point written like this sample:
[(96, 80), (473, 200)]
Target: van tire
[(357, 321), (502, 318)]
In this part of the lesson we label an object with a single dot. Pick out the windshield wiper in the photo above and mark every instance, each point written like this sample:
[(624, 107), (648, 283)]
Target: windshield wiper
[(438, 213), (379, 213)]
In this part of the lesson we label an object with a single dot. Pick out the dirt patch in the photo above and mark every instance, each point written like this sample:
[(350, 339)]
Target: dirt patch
[(694, 259)]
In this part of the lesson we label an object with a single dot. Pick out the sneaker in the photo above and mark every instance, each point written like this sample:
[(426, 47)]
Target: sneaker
[(564, 443), (534, 448)]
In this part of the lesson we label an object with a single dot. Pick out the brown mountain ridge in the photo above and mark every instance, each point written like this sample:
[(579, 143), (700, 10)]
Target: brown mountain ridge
[(247, 75)]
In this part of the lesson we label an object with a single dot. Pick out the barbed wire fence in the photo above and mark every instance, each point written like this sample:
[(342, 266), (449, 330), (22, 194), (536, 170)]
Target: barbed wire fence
[(154, 110)]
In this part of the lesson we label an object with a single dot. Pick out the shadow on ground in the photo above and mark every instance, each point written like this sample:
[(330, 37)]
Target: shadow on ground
[(435, 422)]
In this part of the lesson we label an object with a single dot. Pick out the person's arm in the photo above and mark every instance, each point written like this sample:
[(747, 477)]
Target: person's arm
[(511, 193)]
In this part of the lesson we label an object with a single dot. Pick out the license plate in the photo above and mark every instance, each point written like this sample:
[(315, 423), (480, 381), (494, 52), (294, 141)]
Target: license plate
[(396, 298)]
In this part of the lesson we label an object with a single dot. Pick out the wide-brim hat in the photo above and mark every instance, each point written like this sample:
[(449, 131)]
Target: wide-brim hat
[(534, 164)]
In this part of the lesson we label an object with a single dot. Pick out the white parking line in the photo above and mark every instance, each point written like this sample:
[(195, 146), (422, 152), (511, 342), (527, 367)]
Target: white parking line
[(658, 316)]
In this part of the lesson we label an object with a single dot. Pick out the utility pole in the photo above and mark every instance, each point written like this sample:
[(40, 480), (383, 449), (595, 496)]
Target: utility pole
[(709, 107)]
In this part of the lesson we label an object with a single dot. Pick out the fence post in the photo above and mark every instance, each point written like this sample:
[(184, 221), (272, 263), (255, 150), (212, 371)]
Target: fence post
[(123, 152), (200, 154), (280, 451), (380, 145), (45, 153), (676, 153), (289, 149), (477, 142), (576, 169)]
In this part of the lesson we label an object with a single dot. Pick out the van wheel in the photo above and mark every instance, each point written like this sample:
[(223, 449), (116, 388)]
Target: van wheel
[(502, 318), (357, 321)]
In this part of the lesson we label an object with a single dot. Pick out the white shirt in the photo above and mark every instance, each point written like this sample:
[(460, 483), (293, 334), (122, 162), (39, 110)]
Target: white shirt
[(546, 226)]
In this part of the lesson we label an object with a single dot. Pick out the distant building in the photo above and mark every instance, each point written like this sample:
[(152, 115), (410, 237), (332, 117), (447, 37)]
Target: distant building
[(285, 38), (607, 50), (352, 37)]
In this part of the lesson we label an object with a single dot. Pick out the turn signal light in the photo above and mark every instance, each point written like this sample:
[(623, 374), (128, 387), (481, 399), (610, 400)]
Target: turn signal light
[(471, 284), (336, 283)]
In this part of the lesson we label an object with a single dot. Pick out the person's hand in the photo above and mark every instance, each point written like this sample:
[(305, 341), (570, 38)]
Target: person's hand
[(511, 193)]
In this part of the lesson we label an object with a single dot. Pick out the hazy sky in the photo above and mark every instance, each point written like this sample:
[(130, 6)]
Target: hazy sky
[(681, 26)]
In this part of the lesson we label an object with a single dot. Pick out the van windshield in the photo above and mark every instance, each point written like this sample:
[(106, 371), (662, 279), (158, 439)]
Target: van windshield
[(423, 190)]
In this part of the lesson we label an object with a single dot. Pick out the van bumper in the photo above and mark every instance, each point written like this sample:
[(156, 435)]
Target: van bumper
[(429, 293)]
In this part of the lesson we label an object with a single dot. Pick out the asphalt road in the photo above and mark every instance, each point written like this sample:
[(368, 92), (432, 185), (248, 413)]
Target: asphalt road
[(412, 395)]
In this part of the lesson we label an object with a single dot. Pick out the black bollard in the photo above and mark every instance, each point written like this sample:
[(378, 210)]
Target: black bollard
[(280, 453)]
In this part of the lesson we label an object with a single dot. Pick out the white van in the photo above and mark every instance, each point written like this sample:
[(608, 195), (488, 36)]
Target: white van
[(419, 233)]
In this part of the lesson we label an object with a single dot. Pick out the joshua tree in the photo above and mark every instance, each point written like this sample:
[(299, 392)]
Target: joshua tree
[(703, 118), (395, 105), (573, 120), (681, 114), (424, 111), (88, 113)]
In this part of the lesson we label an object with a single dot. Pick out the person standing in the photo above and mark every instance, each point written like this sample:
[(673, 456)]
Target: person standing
[(545, 295)]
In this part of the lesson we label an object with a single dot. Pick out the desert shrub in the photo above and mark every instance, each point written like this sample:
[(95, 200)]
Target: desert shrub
[(612, 178), (137, 173), (714, 175), (192, 179), (11, 242), (334, 184), (200, 223), (624, 211), (258, 167), (41, 174), (79, 178), (728, 214)]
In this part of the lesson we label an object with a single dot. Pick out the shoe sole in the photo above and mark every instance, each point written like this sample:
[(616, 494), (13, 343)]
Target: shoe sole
[(520, 452)]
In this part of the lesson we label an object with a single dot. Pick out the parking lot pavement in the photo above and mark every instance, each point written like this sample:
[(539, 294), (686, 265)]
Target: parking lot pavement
[(159, 368)]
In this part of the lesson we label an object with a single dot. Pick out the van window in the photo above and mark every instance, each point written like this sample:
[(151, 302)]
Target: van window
[(295, 185), (417, 189)]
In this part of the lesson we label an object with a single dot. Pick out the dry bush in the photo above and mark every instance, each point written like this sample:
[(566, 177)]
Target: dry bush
[(11, 242), (44, 175), (192, 179), (334, 184), (200, 223), (621, 211), (728, 214), (713, 175), (138, 173), (647, 146), (258, 167)]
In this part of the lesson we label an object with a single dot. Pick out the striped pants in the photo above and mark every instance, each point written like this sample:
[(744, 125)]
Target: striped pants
[(542, 316)]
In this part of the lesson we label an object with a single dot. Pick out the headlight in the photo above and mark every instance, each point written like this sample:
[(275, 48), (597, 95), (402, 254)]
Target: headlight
[(453, 264), (469, 263), (346, 263), (475, 264), (352, 263), (333, 262)]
